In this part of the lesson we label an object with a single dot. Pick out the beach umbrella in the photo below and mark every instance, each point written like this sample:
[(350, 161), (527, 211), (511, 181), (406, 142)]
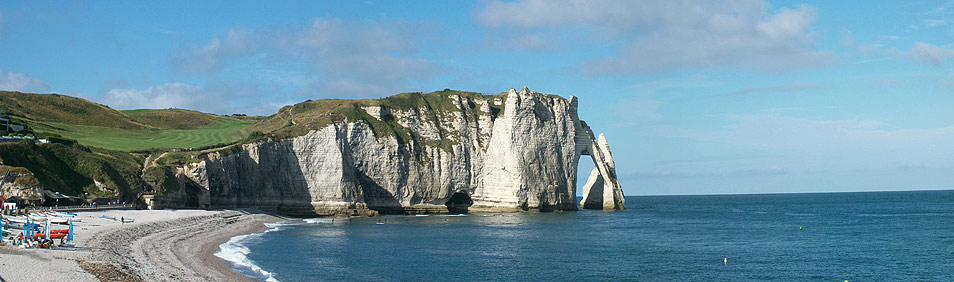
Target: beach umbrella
[(69, 233), (46, 229)]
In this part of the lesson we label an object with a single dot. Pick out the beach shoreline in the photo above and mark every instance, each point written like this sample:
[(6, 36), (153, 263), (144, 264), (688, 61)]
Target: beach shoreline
[(164, 245)]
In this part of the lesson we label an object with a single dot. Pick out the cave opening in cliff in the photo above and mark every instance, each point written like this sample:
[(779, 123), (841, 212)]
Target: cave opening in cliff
[(460, 202)]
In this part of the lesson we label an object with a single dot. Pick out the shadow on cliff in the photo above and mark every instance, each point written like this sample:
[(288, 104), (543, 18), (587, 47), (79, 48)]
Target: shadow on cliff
[(376, 197), (274, 183)]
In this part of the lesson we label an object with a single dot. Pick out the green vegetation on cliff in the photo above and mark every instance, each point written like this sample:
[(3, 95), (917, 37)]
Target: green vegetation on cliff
[(97, 125), (171, 118), (62, 109), (435, 107), (162, 179), (75, 169), (221, 130)]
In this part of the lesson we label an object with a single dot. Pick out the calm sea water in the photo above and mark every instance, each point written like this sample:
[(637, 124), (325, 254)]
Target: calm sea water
[(881, 236)]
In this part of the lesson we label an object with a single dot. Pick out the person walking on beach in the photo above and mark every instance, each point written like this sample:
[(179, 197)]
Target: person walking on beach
[(122, 219)]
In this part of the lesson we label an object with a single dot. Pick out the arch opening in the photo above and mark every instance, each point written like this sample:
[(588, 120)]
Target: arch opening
[(460, 202), (584, 166)]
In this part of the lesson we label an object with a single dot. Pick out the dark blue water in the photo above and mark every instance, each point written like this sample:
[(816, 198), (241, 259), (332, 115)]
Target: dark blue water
[(882, 236)]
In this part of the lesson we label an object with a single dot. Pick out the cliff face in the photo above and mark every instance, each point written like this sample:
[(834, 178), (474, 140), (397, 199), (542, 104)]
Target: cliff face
[(510, 152), (19, 182)]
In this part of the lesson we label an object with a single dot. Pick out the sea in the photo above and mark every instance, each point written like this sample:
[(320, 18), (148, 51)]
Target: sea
[(869, 236)]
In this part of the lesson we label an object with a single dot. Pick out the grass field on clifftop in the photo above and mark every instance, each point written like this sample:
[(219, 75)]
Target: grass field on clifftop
[(100, 126), (218, 131)]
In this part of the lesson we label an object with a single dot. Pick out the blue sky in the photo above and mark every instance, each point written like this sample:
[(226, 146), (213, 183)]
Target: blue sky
[(695, 97)]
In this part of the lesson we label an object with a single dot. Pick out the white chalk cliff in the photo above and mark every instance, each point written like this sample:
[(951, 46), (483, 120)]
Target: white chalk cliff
[(510, 152)]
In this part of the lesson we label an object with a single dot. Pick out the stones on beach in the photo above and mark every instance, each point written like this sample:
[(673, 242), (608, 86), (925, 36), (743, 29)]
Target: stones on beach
[(179, 247)]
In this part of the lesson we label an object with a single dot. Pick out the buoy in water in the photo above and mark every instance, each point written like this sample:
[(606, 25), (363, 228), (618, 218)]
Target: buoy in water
[(725, 261)]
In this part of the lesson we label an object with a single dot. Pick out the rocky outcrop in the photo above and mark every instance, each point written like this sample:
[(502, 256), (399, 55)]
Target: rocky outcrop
[(509, 152), (19, 182)]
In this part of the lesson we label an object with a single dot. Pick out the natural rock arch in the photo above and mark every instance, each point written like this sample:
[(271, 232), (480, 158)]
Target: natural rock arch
[(602, 190), (515, 151)]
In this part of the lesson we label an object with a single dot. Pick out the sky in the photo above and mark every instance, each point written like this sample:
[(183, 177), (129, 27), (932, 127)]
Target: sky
[(695, 97)]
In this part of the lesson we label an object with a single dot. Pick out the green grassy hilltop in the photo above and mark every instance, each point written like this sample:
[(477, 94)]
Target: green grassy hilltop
[(97, 125), (221, 130)]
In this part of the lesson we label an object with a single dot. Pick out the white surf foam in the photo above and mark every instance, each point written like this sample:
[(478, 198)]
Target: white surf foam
[(281, 224), (319, 220), (236, 252)]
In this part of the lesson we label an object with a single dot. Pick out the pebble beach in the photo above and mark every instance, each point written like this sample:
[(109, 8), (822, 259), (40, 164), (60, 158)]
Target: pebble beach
[(159, 245)]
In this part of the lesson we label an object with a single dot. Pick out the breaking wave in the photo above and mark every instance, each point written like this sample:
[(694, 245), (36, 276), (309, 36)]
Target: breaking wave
[(236, 252)]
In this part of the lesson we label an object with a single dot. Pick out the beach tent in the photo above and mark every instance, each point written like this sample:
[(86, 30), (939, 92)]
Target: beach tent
[(29, 228), (46, 229), (69, 233)]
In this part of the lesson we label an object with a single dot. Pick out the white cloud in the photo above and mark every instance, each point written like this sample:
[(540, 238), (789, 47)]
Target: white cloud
[(934, 22), (637, 109), (524, 41), (170, 95), (219, 97), (795, 87), (848, 40), (920, 52), (929, 23), (665, 34), (616, 13), (336, 52), (12, 81), (929, 54), (211, 56), (670, 84)]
